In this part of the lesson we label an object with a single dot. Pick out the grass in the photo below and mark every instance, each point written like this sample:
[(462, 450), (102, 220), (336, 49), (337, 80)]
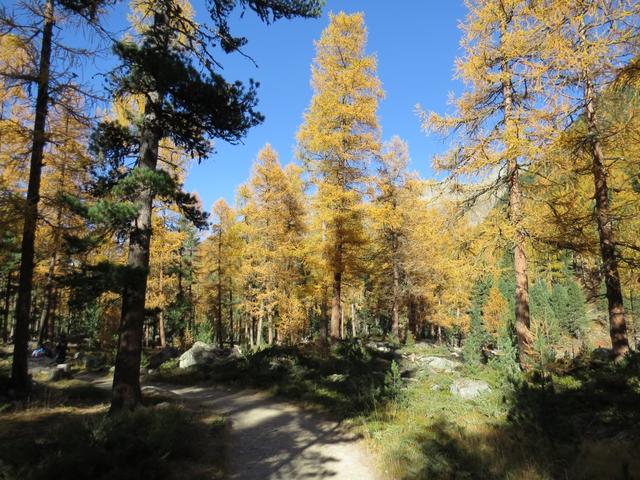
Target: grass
[(63, 431), (581, 422)]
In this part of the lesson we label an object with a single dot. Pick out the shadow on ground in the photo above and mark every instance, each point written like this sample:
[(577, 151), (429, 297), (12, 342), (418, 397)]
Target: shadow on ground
[(580, 423), (272, 439)]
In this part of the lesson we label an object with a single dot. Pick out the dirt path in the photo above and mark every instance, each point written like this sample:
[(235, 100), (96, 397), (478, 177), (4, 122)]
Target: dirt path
[(272, 439)]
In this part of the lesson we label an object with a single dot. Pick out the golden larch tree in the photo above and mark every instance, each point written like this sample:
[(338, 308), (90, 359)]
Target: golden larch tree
[(339, 136)]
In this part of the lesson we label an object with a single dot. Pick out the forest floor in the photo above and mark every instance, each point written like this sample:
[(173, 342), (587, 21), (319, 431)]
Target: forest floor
[(270, 438), (351, 410)]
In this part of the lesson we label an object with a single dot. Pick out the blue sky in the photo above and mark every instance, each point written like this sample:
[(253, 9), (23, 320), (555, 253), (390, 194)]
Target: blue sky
[(416, 43)]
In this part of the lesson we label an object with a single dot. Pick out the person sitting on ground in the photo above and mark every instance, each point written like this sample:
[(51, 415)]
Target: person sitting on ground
[(61, 351), (39, 351)]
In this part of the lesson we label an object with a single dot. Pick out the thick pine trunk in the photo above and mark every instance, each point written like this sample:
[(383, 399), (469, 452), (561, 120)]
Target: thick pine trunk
[(19, 370), (126, 379), (606, 235)]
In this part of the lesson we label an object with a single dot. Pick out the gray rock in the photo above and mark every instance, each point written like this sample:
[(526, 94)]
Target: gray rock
[(236, 352), (379, 347), (95, 361), (199, 354), (468, 388), (61, 372), (440, 364), (435, 388)]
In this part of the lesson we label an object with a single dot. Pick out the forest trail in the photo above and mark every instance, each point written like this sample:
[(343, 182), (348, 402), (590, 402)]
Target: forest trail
[(270, 438)]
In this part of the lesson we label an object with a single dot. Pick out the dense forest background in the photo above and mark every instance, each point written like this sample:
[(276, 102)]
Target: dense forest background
[(526, 252)]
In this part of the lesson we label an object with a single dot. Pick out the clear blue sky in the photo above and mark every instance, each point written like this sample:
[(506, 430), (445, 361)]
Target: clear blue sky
[(416, 42)]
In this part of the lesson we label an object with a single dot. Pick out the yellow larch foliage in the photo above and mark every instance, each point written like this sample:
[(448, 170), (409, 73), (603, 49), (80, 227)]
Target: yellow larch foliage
[(339, 136)]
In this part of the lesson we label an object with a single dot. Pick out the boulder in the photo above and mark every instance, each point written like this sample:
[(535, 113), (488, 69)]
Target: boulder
[(236, 352), (440, 364), (162, 356), (61, 372), (94, 361), (379, 347), (199, 354), (468, 388)]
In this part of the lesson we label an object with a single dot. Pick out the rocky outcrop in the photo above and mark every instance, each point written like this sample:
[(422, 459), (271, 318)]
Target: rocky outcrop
[(468, 388)]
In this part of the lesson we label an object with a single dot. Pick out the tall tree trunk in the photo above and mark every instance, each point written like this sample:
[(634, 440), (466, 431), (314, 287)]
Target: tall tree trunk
[(342, 323), (163, 339), (395, 318), (354, 327), (606, 233), (259, 329), (270, 328), (411, 316), (522, 320), (324, 315), (126, 379), (55, 301), (7, 305), (335, 306), (19, 370), (231, 331), (219, 312)]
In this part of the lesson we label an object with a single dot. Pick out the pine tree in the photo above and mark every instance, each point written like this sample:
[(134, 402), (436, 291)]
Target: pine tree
[(170, 65), (339, 136)]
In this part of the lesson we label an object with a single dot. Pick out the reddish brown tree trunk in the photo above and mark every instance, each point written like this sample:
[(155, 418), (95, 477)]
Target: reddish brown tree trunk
[(19, 370), (606, 234), (522, 320)]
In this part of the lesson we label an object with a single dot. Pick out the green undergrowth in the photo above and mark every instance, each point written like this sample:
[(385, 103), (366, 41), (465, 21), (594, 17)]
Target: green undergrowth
[(578, 421), (63, 431), (346, 379)]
